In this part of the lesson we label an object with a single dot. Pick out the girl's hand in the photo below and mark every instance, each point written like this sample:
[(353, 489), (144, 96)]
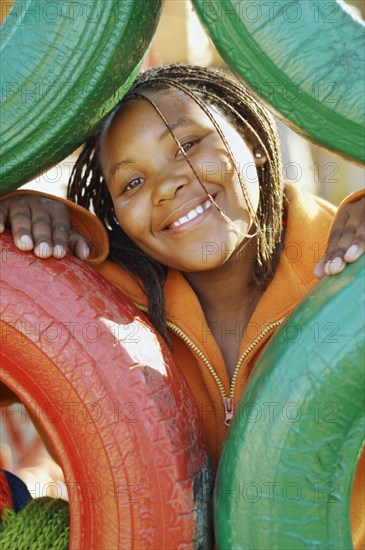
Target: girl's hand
[(347, 240), (43, 225)]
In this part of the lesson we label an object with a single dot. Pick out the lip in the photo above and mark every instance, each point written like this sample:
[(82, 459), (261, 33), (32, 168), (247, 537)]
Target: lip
[(182, 211), (187, 226)]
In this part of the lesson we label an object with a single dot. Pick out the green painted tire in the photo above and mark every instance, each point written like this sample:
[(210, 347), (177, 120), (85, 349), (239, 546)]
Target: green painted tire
[(288, 465), (304, 58), (64, 65)]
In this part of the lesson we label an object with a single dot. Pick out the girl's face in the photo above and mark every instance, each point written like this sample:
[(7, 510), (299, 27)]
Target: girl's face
[(158, 199)]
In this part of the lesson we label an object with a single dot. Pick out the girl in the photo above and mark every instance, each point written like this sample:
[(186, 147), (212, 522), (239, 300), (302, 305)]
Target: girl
[(185, 177)]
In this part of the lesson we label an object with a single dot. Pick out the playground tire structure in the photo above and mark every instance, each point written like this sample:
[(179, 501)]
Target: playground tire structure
[(63, 68), (296, 492), (305, 59), (137, 473), (104, 390)]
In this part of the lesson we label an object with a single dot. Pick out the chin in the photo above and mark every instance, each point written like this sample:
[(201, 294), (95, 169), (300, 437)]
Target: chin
[(201, 266), (210, 256)]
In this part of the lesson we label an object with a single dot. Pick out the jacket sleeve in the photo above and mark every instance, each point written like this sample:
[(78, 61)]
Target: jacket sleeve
[(82, 221)]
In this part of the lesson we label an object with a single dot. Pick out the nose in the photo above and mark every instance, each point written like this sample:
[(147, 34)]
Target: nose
[(168, 186)]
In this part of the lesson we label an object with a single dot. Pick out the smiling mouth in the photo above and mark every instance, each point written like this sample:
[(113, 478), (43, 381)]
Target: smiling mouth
[(191, 215)]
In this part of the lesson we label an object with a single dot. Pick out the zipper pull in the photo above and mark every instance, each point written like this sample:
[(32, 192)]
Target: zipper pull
[(228, 410)]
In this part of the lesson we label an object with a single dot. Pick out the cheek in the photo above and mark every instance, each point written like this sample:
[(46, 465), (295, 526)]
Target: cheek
[(253, 188), (217, 167), (132, 218), (246, 177)]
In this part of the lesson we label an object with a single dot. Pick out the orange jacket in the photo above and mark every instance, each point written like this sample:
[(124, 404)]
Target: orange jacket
[(195, 349)]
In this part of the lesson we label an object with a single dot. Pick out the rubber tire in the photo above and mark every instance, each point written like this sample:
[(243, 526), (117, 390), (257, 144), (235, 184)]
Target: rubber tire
[(63, 68), (290, 469), (114, 411), (305, 59)]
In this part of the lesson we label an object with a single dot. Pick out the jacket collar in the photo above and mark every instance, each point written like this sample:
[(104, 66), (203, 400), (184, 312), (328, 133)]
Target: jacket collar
[(293, 277)]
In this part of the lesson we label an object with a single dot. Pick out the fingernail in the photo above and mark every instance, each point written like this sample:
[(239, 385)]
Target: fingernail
[(352, 251), (58, 251), (334, 266), (318, 270), (25, 242), (43, 250), (84, 252)]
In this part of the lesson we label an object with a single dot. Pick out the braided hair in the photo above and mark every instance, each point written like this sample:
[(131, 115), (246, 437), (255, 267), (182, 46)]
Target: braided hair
[(87, 186)]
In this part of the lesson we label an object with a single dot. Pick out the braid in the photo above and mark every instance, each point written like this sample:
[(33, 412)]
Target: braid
[(88, 188), (246, 112)]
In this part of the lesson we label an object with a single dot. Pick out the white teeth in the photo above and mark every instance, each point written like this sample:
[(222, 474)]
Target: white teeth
[(192, 214)]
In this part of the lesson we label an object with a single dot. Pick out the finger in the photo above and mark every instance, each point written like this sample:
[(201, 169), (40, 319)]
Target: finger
[(333, 261), (60, 230), (41, 228), (336, 261), (336, 233), (335, 266), (80, 246), (318, 270), (329, 267), (21, 223), (357, 247), (340, 239), (4, 209)]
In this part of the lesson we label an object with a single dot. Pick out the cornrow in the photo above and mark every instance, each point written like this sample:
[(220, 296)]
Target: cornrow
[(88, 187)]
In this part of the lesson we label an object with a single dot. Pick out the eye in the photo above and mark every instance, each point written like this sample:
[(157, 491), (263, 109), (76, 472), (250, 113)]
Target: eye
[(132, 184), (187, 146)]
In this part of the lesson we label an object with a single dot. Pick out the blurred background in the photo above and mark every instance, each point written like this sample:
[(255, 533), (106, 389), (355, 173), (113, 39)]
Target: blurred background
[(180, 38)]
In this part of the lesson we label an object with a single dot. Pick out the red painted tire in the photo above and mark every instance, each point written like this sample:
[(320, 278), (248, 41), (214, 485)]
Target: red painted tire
[(118, 413)]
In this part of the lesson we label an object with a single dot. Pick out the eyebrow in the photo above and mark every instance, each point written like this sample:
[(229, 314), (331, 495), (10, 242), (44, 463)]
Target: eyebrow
[(183, 121), (116, 165)]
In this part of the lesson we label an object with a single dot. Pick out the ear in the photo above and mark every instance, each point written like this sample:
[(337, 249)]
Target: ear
[(253, 143), (259, 156)]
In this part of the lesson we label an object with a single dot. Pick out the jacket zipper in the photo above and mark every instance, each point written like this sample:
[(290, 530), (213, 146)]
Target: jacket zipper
[(228, 402)]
